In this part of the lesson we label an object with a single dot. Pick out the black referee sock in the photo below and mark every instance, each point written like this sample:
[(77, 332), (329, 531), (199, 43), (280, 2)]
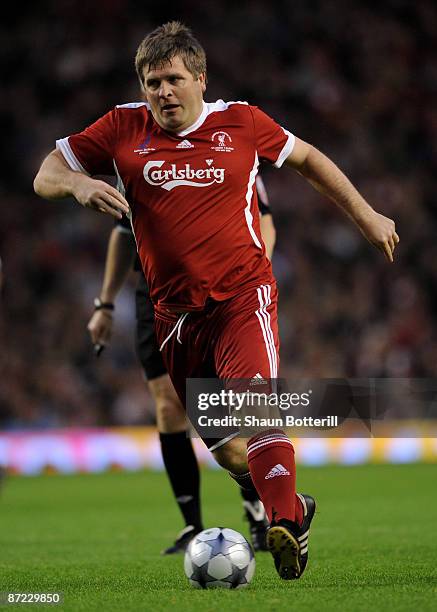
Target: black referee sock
[(247, 488), (249, 495), (183, 472)]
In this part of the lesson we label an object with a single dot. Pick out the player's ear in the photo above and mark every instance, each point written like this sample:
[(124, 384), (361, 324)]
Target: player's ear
[(143, 88), (202, 81)]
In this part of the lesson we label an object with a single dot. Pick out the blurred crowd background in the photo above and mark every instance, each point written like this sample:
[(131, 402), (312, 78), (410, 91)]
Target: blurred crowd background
[(358, 80)]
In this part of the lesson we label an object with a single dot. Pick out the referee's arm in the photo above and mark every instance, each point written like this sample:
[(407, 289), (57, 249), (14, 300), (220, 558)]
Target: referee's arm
[(268, 233), (119, 259), (267, 227)]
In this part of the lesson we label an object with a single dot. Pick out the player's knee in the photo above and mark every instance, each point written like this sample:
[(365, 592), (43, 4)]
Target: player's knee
[(233, 456)]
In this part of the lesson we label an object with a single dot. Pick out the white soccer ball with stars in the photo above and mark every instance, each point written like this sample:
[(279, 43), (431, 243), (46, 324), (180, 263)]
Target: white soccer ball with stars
[(219, 557)]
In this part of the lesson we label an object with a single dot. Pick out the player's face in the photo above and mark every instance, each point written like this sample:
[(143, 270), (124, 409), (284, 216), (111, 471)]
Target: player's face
[(174, 95)]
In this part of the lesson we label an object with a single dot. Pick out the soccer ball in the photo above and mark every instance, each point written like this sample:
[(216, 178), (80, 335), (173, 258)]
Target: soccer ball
[(219, 557)]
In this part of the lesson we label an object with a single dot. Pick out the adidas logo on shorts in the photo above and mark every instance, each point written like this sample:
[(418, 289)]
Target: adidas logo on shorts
[(258, 380), (278, 470)]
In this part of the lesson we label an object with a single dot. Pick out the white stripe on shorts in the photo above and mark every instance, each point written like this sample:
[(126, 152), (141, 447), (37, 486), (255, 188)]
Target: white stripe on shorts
[(267, 293), (264, 299)]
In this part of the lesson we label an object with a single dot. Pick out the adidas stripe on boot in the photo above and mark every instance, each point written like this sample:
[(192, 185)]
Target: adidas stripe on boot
[(288, 541)]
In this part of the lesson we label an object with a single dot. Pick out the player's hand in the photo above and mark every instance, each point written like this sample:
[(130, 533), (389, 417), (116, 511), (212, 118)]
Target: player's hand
[(379, 231), (100, 327), (99, 195)]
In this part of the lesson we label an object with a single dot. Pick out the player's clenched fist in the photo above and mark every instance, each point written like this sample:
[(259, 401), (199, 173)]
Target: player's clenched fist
[(379, 231)]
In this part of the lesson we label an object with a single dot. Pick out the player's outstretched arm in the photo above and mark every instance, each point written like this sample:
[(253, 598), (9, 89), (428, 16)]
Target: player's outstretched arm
[(119, 259), (56, 180), (327, 178)]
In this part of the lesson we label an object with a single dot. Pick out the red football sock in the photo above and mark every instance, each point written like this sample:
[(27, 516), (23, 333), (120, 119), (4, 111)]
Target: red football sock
[(271, 463)]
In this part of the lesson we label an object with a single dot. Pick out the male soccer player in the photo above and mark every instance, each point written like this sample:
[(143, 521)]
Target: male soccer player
[(177, 450), (188, 170)]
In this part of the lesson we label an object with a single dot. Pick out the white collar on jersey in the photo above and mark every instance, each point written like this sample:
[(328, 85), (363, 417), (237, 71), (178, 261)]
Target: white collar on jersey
[(196, 125)]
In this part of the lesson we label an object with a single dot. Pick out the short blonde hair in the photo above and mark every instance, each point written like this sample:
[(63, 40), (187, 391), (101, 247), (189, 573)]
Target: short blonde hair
[(164, 43)]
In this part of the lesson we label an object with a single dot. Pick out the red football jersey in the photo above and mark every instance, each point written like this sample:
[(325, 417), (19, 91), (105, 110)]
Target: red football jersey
[(192, 194)]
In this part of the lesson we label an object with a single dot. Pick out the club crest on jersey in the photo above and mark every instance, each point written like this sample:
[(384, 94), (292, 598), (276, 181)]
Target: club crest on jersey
[(176, 176), (221, 142)]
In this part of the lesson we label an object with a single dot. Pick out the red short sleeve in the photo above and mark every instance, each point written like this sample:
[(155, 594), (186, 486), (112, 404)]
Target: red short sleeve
[(92, 151), (273, 142)]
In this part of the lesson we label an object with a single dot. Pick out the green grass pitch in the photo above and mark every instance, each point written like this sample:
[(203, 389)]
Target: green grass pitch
[(97, 539)]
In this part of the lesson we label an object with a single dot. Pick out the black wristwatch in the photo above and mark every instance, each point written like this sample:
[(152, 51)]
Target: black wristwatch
[(99, 305)]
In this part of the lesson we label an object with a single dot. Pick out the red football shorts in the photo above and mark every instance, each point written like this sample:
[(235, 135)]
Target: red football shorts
[(232, 339)]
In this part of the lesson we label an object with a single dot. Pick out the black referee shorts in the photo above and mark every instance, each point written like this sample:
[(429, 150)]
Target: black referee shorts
[(146, 343)]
